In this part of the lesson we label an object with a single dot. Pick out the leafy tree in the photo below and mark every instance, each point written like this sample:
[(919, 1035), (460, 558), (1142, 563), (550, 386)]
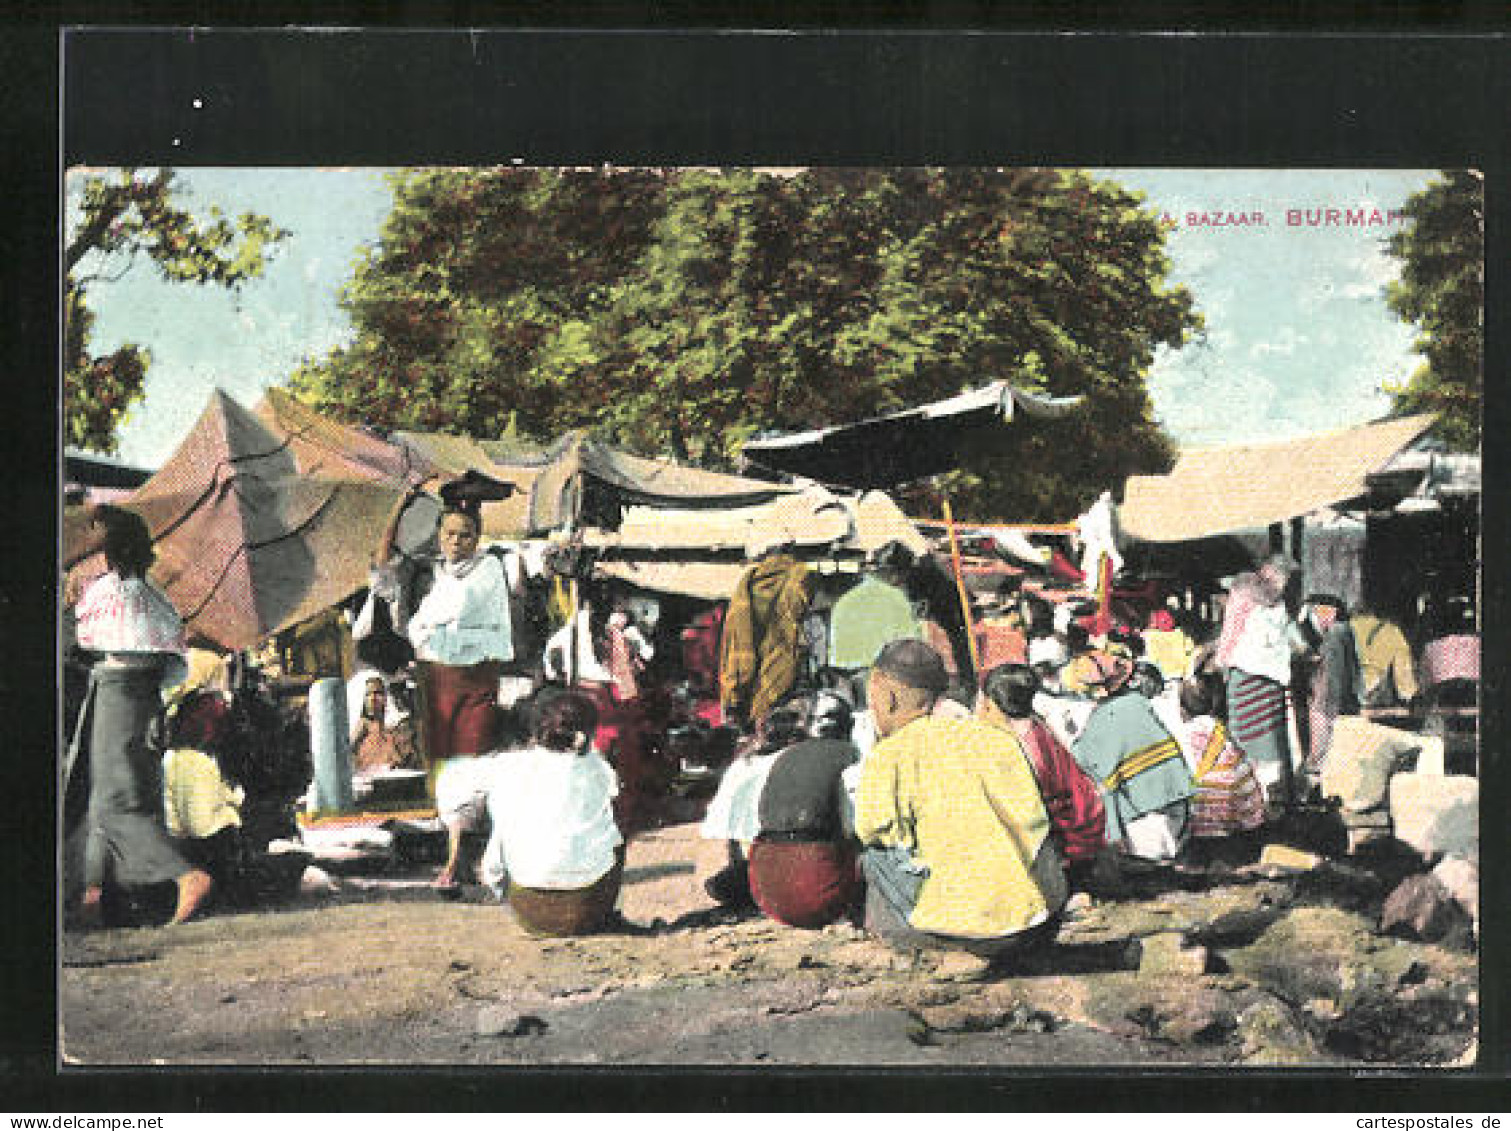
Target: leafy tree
[(1442, 290), (476, 304), (117, 218), (682, 311)]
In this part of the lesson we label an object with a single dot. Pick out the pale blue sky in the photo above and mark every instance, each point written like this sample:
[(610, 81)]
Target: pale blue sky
[(1298, 335)]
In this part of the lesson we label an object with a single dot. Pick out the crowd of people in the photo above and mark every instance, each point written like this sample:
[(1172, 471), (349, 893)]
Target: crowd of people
[(945, 788)]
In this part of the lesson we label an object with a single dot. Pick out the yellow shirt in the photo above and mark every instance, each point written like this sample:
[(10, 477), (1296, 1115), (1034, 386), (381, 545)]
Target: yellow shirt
[(197, 801), (1171, 651), (1383, 651), (962, 797)]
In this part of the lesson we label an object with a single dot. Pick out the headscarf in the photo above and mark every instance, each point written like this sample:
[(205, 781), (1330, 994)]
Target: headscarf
[(1096, 674)]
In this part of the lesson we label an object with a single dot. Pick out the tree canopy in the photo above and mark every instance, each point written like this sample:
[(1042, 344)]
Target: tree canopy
[(1442, 290), (120, 216), (682, 311)]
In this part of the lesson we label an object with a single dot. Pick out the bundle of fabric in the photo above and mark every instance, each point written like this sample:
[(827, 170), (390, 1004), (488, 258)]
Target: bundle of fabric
[(759, 659)]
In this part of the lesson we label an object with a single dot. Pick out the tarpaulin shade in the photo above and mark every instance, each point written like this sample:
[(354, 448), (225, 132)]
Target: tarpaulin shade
[(456, 455), (326, 447), (247, 542), (811, 519), (902, 446), (585, 483), (1218, 491)]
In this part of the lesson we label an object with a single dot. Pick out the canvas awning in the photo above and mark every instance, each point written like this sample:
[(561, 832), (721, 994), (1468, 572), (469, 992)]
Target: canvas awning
[(810, 520), (1218, 491), (587, 484), (669, 551), (97, 471), (900, 447), (326, 447), (456, 455), (248, 541)]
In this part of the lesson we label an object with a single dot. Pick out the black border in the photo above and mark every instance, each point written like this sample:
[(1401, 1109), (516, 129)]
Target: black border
[(1432, 95)]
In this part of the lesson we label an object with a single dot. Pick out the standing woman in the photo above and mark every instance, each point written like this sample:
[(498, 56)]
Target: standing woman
[(122, 615), (460, 630), (1254, 649)]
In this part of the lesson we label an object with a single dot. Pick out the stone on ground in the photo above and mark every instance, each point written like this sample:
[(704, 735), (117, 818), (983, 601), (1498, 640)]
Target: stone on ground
[(1436, 815), (1421, 908)]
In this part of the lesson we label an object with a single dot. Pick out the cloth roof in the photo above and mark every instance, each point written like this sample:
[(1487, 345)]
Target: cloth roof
[(455, 455), (582, 482), (588, 484), (901, 446), (817, 523), (323, 446), (812, 519), (707, 581), (1217, 491), (100, 471), (248, 542)]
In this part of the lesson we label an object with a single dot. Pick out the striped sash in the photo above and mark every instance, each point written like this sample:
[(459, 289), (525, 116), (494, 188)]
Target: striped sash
[(1215, 743), (1144, 758)]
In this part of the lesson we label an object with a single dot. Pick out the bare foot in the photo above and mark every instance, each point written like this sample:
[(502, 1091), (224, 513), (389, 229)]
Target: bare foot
[(193, 888), (962, 966), (89, 914), (445, 879)]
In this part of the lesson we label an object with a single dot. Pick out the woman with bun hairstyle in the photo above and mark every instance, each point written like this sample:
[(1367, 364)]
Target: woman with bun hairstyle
[(555, 849), (134, 628), (455, 612)]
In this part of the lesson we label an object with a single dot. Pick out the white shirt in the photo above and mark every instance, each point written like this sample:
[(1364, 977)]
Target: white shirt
[(464, 618), (1167, 708), (1064, 715), (553, 824), (588, 664), (734, 811), (356, 700), (1263, 647)]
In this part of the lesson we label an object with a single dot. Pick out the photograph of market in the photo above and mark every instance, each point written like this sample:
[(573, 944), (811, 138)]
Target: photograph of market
[(930, 617)]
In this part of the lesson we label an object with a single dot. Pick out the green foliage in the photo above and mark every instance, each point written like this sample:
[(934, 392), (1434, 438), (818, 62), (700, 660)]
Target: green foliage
[(1442, 290), (118, 218), (682, 311)]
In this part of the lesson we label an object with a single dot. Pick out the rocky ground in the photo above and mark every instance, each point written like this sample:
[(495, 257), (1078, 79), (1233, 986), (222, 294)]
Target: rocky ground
[(1221, 965)]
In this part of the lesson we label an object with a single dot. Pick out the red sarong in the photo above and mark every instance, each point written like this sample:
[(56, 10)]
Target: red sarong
[(803, 883), (460, 706)]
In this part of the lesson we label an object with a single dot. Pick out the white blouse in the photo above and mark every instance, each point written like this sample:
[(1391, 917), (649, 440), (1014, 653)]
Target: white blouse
[(127, 614), (1263, 647), (464, 618), (553, 821)]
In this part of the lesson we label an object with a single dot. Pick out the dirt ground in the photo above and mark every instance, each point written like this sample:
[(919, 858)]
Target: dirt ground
[(1230, 967)]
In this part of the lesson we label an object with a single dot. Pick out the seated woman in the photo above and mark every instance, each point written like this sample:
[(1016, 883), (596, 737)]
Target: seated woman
[(555, 847), (377, 743), (1076, 815), (803, 861), (1145, 783), (201, 804), (1228, 797)]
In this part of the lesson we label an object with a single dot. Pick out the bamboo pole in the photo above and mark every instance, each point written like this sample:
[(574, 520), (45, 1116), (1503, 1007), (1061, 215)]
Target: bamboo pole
[(965, 600)]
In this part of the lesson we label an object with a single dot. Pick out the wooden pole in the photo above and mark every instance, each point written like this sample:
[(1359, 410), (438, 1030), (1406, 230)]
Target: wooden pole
[(965, 600)]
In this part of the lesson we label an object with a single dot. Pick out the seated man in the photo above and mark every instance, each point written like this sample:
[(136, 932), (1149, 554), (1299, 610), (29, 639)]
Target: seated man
[(958, 847), (803, 862)]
